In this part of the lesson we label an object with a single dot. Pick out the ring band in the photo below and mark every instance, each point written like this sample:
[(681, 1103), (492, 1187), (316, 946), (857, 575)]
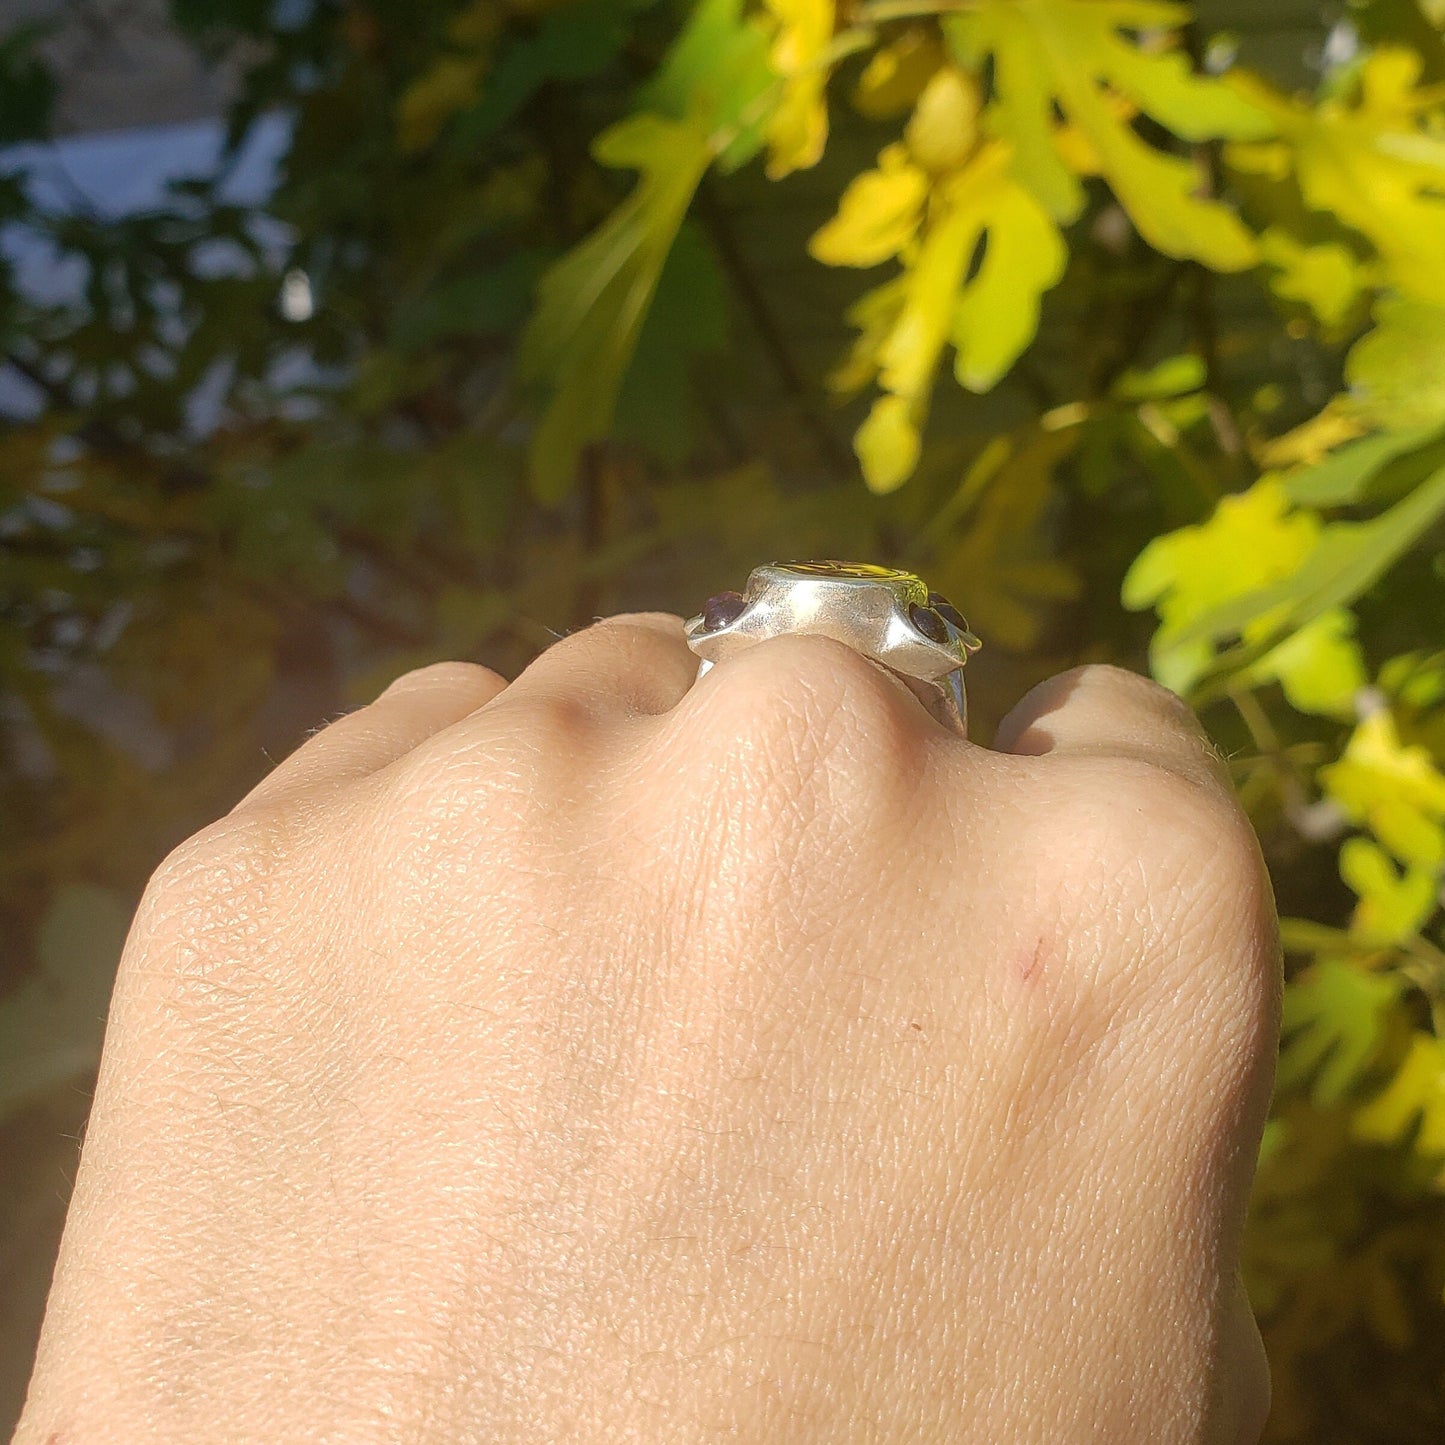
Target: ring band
[(887, 615)]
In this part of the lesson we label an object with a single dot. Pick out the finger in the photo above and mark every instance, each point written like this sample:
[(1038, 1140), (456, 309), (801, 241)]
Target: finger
[(416, 706), (635, 663), (1109, 711), (1242, 1397)]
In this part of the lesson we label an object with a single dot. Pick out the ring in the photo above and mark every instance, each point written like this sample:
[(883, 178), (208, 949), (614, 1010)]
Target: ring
[(888, 615)]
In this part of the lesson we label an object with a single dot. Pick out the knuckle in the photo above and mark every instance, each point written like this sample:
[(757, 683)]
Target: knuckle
[(460, 677), (1113, 679), (511, 773), (630, 632), (809, 707), (1165, 820), (1176, 860), (668, 622), (631, 646), (203, 909), (221, 858)]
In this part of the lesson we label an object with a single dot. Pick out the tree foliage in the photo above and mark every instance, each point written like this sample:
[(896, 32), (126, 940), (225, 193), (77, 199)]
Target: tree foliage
[(1125, 329)]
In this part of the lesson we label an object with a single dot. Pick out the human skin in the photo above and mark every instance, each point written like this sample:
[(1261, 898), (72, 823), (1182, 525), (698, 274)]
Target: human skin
[(607, 1057)]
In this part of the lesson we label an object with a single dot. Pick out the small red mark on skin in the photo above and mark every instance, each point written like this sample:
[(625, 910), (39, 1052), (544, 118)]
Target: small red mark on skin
[(1029, 970)]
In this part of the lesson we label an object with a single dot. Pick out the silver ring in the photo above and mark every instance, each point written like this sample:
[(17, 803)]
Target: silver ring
[(887, 615)]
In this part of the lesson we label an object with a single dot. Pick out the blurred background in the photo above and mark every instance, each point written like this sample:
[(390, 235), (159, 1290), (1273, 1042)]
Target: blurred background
[(337, 338)]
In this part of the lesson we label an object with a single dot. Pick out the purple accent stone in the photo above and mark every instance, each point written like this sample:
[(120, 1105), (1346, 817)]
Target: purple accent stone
[(723, 608), (947, 610), (928, 622)]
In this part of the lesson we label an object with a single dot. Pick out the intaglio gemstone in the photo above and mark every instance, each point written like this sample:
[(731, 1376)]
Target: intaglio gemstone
[(928, 622), (722, 608)]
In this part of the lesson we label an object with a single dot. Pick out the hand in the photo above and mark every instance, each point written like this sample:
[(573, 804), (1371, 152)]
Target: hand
[(601, 1057)]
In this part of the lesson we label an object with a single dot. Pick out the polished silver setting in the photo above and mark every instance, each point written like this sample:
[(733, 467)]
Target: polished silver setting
[(869, 608)]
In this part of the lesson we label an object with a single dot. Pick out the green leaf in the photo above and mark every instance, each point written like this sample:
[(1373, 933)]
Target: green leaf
[(51, 1027), (28, 87), (1174, 376), (1327, 277), (1377, 164), (1347, 560), (717, 73), (1319, 666), (482, 304), (1343, 477), (572, 43), (688, 317), (1396, 372), (593, 302)]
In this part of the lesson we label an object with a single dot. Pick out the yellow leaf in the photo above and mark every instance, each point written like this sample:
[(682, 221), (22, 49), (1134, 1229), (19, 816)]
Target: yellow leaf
[(1073, 55), (887, 444), (877, 215), (1394, 906), (1417, 1092), (1374, 164), (1253, 538), (909, 355), (1312, 441), (1396, 373), (896, 73), (943, 129), (875, 314), (998, 311), (1335, 1015), (798, 128), (1327, 278), (1319, 667), (1393, 789), (989, 319), (1077, 151)]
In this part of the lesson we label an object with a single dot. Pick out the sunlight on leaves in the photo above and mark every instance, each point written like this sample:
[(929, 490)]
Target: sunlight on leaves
[(1332, 1022), (1368, 159), (1319, 666), (798, 128), (1393, 789), (1345, 561), (1074, 54), (591, 304), (1394, 904), (1253, 538), (931, 201), (1414, 1101), (1396, 373), (1328, 277)]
